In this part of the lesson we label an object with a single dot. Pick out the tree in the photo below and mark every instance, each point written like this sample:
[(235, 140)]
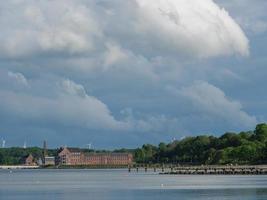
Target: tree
[(139, 155), (219, 157), (199, 145), (1, 158), (261, 132), (246, 135), (209, 156), (162, 147), (265, 153), (230, 140), (246, 153)]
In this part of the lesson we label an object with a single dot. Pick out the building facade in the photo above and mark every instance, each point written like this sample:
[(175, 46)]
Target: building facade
[(72, 156), (28, 160), (49, 160)]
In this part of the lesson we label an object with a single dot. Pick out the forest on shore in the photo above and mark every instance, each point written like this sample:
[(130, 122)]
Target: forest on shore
[(231, 148), (248, 147)]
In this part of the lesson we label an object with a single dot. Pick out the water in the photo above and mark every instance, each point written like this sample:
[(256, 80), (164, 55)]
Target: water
[(121, 185)]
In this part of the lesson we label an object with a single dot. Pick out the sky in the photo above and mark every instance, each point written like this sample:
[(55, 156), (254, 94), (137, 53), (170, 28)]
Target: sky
[(123, 73)]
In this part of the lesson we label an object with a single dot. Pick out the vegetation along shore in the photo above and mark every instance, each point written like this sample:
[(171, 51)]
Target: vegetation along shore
[(244, 148)]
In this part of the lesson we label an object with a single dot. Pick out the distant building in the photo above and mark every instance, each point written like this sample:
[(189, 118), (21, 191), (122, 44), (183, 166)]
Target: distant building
[(74, 156), (40, 161), (49, 160), (28, 160)]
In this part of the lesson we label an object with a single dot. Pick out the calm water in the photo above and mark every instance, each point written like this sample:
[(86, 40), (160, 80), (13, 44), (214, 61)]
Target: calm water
[(119, 184)]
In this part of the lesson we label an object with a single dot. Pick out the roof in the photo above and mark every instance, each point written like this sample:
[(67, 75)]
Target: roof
[(74, 150), (70, 149), (27, 156), (107, 154), (78, 150)]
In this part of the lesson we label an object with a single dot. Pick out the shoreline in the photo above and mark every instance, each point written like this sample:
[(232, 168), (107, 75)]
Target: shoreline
[(18, 167)]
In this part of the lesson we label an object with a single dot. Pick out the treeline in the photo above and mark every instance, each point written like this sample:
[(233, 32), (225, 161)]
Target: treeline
[(231, 148), (15, 155)]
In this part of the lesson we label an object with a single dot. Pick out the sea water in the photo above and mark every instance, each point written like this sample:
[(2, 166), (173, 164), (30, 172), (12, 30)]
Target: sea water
[(121, 185)]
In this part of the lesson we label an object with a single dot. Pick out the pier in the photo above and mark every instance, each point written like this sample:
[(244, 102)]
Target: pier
[(203, 169)]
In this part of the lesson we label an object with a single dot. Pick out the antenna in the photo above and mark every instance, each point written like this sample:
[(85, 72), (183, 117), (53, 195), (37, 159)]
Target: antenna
[(25, 145)]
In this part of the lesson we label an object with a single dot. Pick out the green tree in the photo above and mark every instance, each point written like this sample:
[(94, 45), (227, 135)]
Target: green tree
[(139, 155), (246, 153), (209, 156), (261, 132), (1, 158), (265, 153), (230, 140)]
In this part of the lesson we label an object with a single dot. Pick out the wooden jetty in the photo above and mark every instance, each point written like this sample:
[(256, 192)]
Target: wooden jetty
[(204, 169)]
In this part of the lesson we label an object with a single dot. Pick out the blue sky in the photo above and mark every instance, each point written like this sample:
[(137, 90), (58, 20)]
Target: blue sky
[(130, 72)]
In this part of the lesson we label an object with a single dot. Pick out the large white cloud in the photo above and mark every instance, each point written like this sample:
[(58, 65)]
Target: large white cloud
[(147, 27), (197, 27), (31, 28)]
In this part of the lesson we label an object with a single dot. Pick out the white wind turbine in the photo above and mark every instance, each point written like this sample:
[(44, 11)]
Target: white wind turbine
[(3, 143), (89, 146)]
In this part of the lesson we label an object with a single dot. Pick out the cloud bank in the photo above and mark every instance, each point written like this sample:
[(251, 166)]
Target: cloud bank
[(67, 104), (147, 27), (99, 66)]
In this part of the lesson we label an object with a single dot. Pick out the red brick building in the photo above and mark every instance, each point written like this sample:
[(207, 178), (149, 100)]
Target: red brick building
[(73, 156)]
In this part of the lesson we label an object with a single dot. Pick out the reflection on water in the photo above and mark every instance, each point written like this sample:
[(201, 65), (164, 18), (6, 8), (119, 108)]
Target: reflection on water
[(119, 184)]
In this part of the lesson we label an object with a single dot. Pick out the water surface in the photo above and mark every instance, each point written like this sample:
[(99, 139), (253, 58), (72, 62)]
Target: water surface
[(119, 184)]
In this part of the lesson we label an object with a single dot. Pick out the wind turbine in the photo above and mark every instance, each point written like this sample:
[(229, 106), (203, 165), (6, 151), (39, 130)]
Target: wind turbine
[(89, 146), (3, 143)]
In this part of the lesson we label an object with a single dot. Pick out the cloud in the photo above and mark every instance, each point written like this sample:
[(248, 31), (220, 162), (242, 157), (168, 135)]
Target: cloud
[(73, 88), (200, 28), (249, 14), (211, 101), (149, 28), (18, 78), (46, 27), (114, 55), (65, 103), (148, 123), (85, 61)]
